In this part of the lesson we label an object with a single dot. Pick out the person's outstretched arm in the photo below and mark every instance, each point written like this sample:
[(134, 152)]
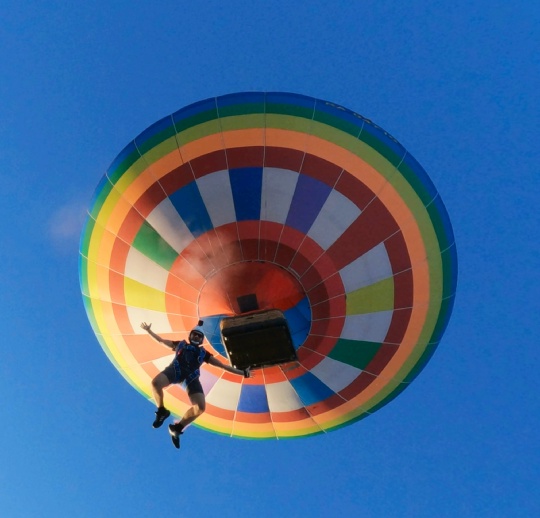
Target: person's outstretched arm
[(246, 372), (156, 337)]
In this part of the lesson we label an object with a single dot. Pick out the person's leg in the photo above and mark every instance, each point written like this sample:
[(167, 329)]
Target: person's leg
[(158, 384), (199, 406), (198, 402)]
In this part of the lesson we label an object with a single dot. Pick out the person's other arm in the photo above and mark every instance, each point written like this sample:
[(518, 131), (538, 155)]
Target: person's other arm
[(246, 372)]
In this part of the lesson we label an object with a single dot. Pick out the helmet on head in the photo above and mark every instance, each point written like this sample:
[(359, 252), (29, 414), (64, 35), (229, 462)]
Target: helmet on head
[(196, 337)]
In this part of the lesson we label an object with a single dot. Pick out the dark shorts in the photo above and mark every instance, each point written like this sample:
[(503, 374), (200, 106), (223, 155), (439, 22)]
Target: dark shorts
[(174, 376)]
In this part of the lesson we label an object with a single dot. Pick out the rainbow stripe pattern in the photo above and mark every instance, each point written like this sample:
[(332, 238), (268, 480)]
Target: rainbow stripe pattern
[(311, 207)]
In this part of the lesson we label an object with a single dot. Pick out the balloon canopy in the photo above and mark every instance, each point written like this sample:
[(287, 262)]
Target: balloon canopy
[(271, 201)]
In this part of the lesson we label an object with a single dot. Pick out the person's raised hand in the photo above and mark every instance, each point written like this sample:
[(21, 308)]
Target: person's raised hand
[(146, 326)]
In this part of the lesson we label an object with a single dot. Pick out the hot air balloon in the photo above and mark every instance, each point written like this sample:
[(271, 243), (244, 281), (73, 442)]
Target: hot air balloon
[(306, 239)]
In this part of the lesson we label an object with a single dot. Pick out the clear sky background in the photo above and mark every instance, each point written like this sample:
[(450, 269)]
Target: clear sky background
[(456, 82)]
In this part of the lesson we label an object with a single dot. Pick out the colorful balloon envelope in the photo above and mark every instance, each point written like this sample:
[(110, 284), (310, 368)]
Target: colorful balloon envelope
[(256, 204)]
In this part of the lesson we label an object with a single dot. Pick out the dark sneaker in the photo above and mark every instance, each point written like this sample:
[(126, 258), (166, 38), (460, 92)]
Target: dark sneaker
[(175, 435), (161, 415)]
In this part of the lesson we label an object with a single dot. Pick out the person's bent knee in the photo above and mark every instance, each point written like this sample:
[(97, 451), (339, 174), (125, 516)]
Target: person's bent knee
[(199, 403), (199, 409), (160, 381)]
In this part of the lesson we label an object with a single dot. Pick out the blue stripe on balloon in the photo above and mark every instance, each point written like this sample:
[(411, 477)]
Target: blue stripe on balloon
[(427, 191), (299, 321), (383, 137), (212, 332), (311, 389), (103, 189), (308, 199), (441, 222), (299, 337), (246, 185), (325, 107), (122, 162), (193, 110), (240, 98), (294, 100), (304, 307), (253, 399), (452, 271), (190, 205), (155, 129)]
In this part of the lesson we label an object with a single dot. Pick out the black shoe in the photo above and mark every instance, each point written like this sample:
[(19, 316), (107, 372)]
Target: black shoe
[(161, 415), (175, 435)]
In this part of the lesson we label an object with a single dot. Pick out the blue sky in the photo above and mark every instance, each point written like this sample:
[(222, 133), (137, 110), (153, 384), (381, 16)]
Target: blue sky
[(455, 82)]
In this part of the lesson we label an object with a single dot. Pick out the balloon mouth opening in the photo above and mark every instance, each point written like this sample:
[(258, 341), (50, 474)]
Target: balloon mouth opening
[(249, 286), (252, 298)]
